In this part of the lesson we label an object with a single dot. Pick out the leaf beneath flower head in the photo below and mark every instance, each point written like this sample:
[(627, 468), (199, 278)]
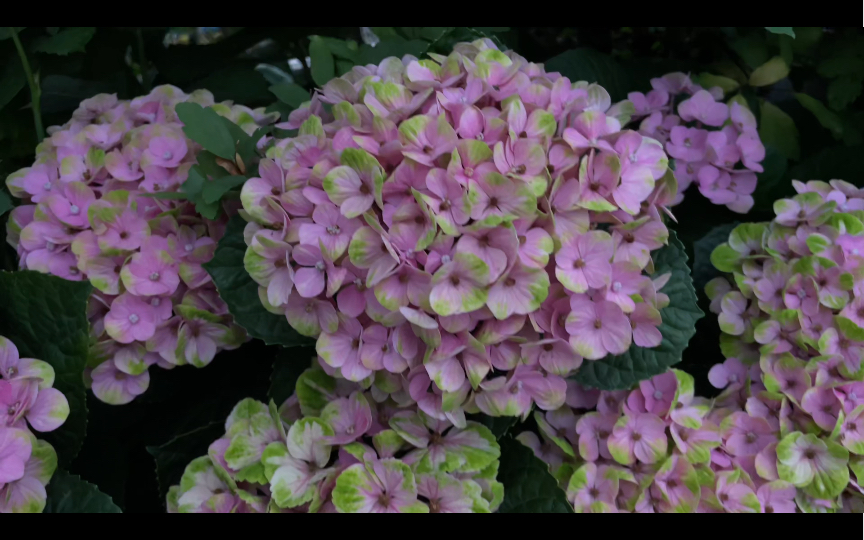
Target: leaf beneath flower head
[(205, 126), (679, 325), (240, 292), (70, 40), (703, 270), (592, 66), (786, 30), (529, 488), (5, 203), (46, 318), (172, 457), (68, 494)]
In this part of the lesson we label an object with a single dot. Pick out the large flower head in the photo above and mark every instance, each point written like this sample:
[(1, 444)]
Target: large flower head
[(102, 203)]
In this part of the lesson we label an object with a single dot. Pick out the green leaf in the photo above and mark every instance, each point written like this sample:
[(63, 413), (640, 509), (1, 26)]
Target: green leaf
[(70, 40), (323, 65), (703, 269), (786, 30), (499, 426), (773, 183), (68, 494), (46, 318), (396, 46), (240, 292), (274, 74), (529, 488), (592, 66), (679, 325), (215, 189), (166, 195), (778, 129), (828, 119), (287, 368), (770, 72), (291, 94), (206, 127), (6, 34), (844, 91), (173, 457), (63, 94), (833, 162), (11, 81), (5, 203)]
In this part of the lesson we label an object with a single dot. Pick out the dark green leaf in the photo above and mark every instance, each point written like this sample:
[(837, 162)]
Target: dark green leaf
[(6, 34), (592, 66), (291, 94), (529, 488), (323, 66), (770, 72), (215, 189), (62, 94), (828, 119), (5, 203), (11, 81), (68, 494), (778, 129), (752, 48), (397, 46), (843, 91), (773, 183), (173, 457), (835, 162), (499, 426), (679, 325), (46, 318), (240, 292), (207, 128), (287, 368), (703, 270), (274, 74), (787, 30), (166, 195), (70, 40), (346, 50)]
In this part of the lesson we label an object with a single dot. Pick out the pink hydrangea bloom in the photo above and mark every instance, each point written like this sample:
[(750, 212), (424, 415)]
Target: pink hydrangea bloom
[(86, 216)]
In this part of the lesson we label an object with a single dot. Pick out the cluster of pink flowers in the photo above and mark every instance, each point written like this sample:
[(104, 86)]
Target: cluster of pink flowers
[(333, 447), (465, 229), (27, 402), (89, 217), (714, 145), (659, 449), (792, 317)]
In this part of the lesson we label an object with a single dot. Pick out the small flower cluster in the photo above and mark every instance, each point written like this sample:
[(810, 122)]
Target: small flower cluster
[(27, 403), (91, 217), (659, 449), (792, 318), (714, 145), (466, 227), (333, 447)]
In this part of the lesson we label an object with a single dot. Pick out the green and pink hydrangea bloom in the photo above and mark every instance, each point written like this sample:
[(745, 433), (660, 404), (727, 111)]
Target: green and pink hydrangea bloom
[(30, 405), (334, 447), (435, 221), (89, 215)]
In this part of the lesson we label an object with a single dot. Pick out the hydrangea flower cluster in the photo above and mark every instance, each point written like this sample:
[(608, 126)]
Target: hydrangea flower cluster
[(714, 145), (465, 229), (659, 449), (792, 318), (89, 217), (333, 447), (28, 403)]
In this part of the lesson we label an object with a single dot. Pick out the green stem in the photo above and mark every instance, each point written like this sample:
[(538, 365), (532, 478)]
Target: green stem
[(142, 61), (35, 91)]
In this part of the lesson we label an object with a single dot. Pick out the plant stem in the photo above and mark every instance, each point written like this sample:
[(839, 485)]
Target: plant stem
[(142, 61), (35, 91)]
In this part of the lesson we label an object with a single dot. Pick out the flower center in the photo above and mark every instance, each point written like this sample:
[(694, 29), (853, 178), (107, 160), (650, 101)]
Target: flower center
[(134, 319), (810, 454), (334, 230), (434, 505), (320, 266), (445, 259), (598, 324), (802, 294), (509, 282), (124, 235), (156, 302), (493, 201), (154, 276), (275, 191), (769, 509), (355, 344), (12, 371), (658, 395), (751, 438), (364, 189), (636, 437), (594, 493), (50, 246), (548, 347), (519, 169), (469, 172), (189, 247), (516, 388), (617, 286), (578, 264), (384, 500), (47, 186), (428, 149), (119, 376), (167, 155), (455, 281), (74, 210)]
